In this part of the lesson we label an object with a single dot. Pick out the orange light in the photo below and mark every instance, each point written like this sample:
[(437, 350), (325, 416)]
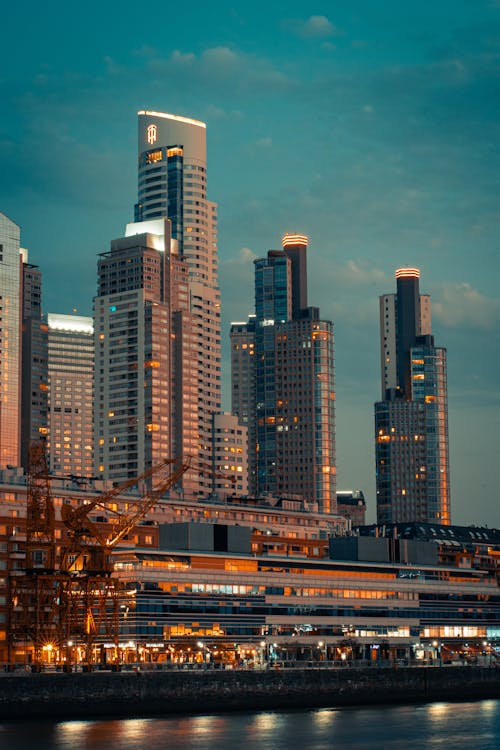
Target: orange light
[(407, 273), (294, 239)]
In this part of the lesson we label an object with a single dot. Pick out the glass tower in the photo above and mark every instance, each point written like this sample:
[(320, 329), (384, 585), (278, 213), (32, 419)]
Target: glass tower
[(283, 368), (411, 420)]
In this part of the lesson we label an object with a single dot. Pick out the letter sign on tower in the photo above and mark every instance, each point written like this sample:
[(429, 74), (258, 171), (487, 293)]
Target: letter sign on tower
[(152, 133)]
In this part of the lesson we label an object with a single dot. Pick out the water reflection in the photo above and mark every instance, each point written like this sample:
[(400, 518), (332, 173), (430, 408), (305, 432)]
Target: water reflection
[(435, 726)]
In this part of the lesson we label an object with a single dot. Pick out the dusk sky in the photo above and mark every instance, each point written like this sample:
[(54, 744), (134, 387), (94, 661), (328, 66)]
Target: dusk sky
[(372, 127)]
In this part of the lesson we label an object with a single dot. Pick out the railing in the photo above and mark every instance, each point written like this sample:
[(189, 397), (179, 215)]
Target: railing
[(344, 665)]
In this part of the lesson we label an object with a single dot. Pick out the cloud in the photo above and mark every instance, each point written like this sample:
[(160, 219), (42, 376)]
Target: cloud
[(181, 59), (314, 27), (220, 66), (462, 306), (221, 57)]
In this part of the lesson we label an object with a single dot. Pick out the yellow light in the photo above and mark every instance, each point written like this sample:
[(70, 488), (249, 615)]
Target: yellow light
[(164, 115), (407, 273), (294, 239), (175, 151)]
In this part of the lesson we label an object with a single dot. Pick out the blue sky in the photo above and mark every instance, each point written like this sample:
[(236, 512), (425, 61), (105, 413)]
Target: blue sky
[(372, 127)]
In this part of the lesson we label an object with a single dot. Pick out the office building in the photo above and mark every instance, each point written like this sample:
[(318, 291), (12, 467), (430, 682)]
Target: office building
[(291, 370), (230, 456), (143, 382), (34, 373), (411, 420), (173, 185), (352, 505), (242, 337), (71, 394), (10, 342)]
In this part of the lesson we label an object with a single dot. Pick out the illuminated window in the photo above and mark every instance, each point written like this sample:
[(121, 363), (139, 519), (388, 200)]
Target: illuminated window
[(154, 156)]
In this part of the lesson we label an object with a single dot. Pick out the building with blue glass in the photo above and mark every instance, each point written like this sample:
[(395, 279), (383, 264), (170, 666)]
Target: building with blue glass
[(411, 420), (286, 372)]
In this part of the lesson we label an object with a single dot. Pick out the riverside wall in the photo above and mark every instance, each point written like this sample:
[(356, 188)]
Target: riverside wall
[(131, 694)]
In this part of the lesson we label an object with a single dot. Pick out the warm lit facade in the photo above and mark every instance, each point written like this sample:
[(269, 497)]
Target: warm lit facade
[(173, 185), (230, 456), (291, 372), (145, 391), (411, 420), (284, 582), (34, 386), (242, 338), (71, 398), (194, 605), (10, 342)]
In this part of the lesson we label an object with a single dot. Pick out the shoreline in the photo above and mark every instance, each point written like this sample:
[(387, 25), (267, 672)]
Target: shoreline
[(63, 696)]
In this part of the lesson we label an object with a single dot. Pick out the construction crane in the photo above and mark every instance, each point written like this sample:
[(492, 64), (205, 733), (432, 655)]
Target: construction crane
[(34, 592), (88, 547), (74, 598), (40, 515)]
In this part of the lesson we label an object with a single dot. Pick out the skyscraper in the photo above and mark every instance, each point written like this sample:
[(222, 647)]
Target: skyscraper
[(411, 420), (173, 185), (242, 338), (10, 342), (291, 371), (71, 398), (133, 350), (34, 378)]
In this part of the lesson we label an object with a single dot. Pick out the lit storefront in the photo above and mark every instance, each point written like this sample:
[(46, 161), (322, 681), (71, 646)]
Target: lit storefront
[(233, 610)]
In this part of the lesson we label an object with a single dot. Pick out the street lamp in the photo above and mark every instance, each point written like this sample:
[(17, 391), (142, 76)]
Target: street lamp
[(69, 646), (320, 646), (203, 647), (262, 653)]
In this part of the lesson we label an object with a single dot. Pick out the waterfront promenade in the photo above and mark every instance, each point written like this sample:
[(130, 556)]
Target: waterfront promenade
[(59, 695)]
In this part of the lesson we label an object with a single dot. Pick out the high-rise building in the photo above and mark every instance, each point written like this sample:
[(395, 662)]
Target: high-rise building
[(242, 337), (146, 356), (71, 396), (173, 186), (230, 456), (34, 373), (10, 342), (291, 409), (411, 420)]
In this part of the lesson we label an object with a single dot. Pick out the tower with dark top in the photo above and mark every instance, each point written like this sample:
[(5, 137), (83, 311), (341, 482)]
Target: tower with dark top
[(411, 420)]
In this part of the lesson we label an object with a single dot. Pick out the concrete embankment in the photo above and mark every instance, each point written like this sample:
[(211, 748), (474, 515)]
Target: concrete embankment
[(128, 694)]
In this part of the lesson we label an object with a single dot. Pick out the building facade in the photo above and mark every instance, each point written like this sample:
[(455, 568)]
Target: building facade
[(411, 420), (71, 394), (34, 379), (10, 342), (230, 456), (283, 382), (173, 186), (134, 350), (242, 337)]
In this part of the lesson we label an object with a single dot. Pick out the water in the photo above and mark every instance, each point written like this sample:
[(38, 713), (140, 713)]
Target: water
[(434, 726)]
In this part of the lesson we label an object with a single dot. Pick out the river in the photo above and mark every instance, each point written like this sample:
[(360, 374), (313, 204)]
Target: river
[(454, 726)]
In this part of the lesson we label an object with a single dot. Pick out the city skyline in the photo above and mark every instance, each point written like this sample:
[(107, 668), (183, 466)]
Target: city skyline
[(380, 141)]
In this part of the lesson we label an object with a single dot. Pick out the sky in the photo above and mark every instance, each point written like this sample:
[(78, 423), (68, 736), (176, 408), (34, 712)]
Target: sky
[(374, 128)]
